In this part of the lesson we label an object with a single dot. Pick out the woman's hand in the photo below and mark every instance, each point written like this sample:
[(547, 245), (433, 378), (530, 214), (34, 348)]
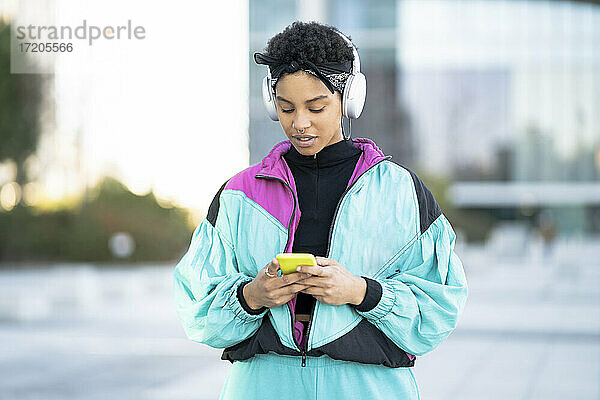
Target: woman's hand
[(333, 284), (273, 291)]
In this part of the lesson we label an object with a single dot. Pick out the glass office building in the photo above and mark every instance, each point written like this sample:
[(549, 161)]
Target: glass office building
[(499, 97)]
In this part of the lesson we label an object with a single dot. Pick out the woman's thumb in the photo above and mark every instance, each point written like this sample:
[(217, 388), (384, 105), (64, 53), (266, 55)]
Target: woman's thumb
[(273, 266)]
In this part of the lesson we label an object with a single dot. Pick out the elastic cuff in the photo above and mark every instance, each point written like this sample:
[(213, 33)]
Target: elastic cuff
[(385, 304), (245, 306), (372, 295)]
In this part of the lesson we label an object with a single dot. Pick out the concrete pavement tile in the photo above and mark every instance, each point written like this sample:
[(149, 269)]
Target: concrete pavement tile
[(571, 371), (504, 372), (205, 383), (442, 373)]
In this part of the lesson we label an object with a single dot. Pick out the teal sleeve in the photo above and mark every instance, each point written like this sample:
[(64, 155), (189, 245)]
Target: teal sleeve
[(422, 301), (206, 280)]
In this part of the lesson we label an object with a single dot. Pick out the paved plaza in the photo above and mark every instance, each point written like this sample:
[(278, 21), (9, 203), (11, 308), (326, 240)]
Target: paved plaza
[(531, 330)]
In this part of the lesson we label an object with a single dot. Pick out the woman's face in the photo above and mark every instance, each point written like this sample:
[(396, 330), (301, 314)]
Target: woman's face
[(304, 102)]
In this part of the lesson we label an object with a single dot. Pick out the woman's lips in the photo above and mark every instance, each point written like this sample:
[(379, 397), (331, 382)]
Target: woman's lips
[(305, 143)]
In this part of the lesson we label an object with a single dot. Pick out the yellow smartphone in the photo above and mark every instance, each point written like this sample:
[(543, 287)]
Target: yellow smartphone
[(288, 262)]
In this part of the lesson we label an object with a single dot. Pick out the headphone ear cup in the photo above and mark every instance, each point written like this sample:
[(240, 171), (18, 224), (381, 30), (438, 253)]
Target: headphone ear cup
[(268, 99), (355, 94)]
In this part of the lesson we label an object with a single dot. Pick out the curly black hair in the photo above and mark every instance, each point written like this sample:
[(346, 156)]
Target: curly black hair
[(312, 41)]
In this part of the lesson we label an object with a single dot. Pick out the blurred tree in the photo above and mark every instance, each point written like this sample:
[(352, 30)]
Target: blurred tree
[(20, 100), (159, 232)]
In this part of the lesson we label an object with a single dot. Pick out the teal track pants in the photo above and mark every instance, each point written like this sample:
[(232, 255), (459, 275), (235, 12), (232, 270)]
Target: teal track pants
[(273, 376)]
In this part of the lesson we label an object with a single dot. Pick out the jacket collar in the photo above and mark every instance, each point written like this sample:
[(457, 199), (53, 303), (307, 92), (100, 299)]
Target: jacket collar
[(329, 155), (274, 165)]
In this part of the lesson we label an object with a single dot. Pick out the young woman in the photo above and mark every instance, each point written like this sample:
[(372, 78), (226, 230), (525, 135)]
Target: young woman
[(388, 286)]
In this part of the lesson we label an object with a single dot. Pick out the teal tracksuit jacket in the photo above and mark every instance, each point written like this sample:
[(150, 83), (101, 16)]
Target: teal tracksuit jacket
[(387, 227)]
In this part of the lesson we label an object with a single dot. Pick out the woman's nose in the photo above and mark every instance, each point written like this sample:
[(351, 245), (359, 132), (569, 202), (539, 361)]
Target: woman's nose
[(301, 121)]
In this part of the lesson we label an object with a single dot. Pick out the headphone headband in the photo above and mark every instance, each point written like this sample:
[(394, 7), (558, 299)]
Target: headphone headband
[(353, 96), (356, 60)]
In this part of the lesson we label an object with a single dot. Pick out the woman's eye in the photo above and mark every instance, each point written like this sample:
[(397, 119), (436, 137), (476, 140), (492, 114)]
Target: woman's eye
[(283, 110)]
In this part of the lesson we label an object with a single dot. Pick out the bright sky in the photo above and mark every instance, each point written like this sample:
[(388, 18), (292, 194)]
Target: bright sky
[(168, 112)]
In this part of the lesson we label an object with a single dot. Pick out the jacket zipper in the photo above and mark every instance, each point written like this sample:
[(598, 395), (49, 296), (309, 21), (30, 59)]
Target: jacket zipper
[(312, 311), (314, 303)]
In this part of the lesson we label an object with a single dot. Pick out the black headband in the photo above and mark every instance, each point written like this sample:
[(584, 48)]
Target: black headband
[(278, 68)]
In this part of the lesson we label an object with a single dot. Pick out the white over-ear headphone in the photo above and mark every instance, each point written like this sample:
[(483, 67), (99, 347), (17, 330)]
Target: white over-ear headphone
[(353, 98)]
